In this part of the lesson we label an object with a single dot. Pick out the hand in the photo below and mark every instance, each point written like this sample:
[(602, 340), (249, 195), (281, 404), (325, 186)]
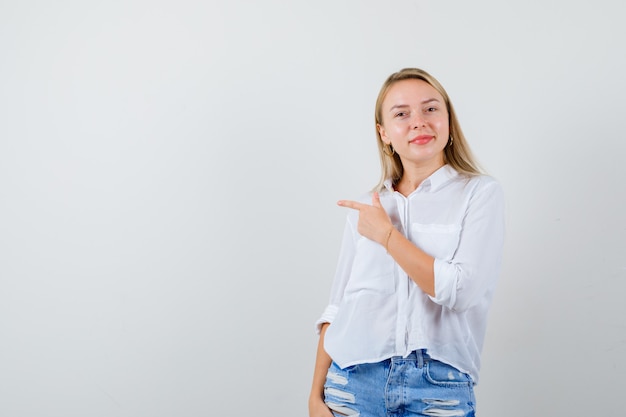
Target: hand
[(374, 222), (318, 408)]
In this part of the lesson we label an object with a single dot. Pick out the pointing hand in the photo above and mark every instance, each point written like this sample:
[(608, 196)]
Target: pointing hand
[(374, 223)]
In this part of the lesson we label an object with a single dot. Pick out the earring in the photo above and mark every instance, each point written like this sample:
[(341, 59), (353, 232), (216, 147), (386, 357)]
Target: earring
[(451, 140), (388, 150)]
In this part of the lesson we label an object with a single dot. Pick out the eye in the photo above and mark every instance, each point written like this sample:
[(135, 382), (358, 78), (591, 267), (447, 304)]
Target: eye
[(431, 109), (400, 114)]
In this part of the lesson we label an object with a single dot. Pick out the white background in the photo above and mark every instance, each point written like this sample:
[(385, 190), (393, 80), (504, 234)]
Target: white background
[(168, 179)]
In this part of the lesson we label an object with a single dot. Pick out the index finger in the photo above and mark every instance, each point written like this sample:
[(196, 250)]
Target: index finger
[(351, 204)]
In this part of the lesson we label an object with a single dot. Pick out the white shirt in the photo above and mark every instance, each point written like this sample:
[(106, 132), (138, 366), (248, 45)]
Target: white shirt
[(376, 311)]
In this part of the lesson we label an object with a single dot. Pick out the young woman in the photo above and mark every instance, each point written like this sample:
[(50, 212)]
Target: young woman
[(404, 328)]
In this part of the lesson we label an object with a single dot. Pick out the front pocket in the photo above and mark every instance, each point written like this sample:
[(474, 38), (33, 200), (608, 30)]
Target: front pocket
[(440, 373), (438, 240)]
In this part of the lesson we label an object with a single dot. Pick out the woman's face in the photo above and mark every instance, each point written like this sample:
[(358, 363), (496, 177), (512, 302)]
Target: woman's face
[(415, 123)]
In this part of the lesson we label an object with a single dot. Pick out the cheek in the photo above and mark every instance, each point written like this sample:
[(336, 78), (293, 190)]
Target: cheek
[(442, 126), (398, 129), (390, 132)]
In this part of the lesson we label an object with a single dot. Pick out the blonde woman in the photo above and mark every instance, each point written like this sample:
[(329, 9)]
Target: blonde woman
[(404, 328)]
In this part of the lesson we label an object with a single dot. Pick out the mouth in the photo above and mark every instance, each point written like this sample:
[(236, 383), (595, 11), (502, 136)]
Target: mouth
[(421, 139)]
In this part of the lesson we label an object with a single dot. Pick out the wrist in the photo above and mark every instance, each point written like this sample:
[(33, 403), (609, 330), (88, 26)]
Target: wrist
[(315, 399), (316, 394), (387, 237)]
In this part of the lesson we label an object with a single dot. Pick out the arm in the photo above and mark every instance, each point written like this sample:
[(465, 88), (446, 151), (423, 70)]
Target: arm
[(459, 283), (463, 281), (317, 407), (374, 224)]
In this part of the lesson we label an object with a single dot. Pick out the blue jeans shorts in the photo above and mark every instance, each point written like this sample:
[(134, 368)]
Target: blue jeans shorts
[(400, 387)]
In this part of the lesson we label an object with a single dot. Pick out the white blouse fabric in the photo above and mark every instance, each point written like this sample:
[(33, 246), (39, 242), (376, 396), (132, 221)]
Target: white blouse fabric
[(376, 311)]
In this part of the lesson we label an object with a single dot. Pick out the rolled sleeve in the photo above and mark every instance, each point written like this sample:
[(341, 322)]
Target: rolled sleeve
[(327, 317), (463, 281), (445, 283)]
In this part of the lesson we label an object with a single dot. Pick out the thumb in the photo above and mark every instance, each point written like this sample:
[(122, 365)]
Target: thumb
[(376, 200)]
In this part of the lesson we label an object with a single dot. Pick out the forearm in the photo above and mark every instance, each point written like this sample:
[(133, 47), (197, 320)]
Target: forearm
[(375, 224), (322, 363), (418, 265)]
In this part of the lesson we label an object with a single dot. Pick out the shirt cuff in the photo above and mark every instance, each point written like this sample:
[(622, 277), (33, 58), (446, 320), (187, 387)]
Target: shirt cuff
[(445, 283), (327, 317)]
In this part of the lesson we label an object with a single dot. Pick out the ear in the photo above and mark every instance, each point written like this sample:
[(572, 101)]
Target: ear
[(383, 134)]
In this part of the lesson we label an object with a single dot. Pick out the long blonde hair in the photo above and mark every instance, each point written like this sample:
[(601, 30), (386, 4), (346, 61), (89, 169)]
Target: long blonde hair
[(457, 154)]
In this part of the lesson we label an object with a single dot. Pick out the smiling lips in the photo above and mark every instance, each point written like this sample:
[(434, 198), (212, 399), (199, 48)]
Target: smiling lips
[(422, 139)]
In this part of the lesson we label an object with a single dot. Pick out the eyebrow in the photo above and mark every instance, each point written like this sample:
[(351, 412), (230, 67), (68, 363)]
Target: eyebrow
[(402, 106)]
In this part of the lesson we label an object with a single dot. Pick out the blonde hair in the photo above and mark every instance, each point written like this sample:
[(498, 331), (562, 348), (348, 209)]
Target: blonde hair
[(457, 154)]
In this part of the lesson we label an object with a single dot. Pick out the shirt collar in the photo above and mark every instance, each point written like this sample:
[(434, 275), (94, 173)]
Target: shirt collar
[(434, 181)]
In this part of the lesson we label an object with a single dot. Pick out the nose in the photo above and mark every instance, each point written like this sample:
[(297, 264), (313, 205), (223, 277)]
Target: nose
[(418, 121)]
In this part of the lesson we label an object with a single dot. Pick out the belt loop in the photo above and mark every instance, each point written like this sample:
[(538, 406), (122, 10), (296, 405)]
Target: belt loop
[(420, 358)]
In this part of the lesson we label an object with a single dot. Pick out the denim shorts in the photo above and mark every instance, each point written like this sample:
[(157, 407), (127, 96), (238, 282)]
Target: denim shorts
[(400, 387)]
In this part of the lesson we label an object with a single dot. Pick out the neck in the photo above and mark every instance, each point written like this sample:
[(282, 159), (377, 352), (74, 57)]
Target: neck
[(413, 177)]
